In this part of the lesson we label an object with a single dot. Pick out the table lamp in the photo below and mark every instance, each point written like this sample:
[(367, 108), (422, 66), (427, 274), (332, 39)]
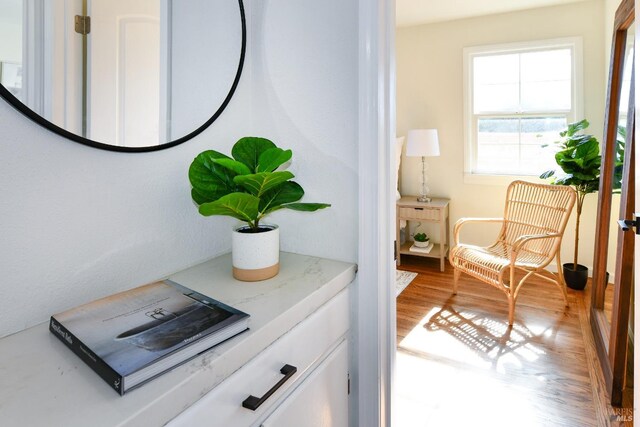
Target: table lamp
[(423, 143)]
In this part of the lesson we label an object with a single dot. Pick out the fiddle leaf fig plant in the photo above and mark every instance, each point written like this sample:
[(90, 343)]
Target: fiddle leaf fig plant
[(247, 185), (578, 159)]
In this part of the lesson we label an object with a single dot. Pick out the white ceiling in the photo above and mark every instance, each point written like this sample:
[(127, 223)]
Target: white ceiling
[(415, 12)]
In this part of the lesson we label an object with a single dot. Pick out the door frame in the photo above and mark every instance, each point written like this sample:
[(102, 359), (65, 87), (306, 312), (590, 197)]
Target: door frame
[(376, 305)]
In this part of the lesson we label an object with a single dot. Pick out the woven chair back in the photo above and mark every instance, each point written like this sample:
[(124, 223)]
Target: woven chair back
[(536, 209)]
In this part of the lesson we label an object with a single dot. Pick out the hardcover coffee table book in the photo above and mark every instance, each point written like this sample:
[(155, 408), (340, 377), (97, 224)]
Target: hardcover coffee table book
[(133, 336)]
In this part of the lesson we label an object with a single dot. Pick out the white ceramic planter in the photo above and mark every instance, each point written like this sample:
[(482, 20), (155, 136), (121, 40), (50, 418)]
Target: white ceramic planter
[(255, 256), (421, 244)]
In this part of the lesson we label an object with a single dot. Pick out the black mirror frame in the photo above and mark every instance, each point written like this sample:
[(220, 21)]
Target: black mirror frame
[(18, 105)]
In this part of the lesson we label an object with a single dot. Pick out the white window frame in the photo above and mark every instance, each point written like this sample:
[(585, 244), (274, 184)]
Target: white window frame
[(470, 143)]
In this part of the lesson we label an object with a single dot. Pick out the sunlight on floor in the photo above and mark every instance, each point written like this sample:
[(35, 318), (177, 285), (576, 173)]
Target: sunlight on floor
[(473, 339), (456, 368), (460, 399)]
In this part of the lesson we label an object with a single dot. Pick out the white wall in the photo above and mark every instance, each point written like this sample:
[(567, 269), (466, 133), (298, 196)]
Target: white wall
[(429, 83), (610, 7), (79, 223), (304, 91)]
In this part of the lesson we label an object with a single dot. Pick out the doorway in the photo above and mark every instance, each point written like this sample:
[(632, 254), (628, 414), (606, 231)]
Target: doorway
[(454, 352)]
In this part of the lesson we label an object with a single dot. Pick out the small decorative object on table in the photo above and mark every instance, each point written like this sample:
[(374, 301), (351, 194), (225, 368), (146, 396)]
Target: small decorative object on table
[(421, 244), (420, 240), (248, 187)]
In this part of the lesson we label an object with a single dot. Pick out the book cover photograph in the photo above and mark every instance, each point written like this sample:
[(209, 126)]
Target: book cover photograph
[(133, 330)]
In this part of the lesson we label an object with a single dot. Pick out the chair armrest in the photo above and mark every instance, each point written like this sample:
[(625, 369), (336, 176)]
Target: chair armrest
[(522, 240), (462, 221)]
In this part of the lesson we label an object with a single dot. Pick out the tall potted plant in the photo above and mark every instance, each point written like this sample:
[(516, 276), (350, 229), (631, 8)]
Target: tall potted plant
[(248, 186), (578, 159)]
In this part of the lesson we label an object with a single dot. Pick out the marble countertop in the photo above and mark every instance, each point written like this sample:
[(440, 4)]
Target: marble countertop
[(44, 383)]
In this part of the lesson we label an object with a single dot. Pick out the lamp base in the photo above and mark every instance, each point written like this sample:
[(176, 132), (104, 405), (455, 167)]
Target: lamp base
[(424, 199)]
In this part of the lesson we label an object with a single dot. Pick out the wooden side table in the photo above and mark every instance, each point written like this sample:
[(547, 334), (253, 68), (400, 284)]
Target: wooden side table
[(436, 211)]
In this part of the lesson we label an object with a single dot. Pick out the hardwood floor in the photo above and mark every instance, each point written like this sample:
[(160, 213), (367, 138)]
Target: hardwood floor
[(608, 300), (459, 364)]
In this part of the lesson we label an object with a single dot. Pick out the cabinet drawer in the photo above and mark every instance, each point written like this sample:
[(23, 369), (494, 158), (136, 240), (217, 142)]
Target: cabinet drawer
[(420, 213), (301, 347), (321, 400)]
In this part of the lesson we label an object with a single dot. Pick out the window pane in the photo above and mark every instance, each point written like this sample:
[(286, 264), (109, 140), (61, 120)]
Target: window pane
[(498, 145), (546, 96), (546, 80), (514, 146), (496, 69), (534, 133), (548, 65), (496, 98), (547, 129), (495, 82)]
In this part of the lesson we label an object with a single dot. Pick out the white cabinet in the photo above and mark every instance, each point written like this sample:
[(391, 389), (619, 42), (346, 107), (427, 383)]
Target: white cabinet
[(315, 395), (298, 318), (321, 400)]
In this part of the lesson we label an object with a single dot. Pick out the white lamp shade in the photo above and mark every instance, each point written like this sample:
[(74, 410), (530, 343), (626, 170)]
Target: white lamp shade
[(423, 143)]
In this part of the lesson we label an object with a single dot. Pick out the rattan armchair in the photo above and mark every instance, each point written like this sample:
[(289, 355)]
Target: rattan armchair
[(535, 216)]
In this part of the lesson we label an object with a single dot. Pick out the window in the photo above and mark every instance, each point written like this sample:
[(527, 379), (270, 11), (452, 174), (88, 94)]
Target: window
[(518, 97)]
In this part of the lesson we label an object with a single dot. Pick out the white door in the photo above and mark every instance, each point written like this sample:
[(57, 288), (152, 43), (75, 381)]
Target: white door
[(321, 400), (123, 72), (52, 61), (63, 65)]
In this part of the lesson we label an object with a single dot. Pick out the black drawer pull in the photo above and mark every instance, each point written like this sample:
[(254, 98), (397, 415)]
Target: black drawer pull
[(419, 209), (254, 403)]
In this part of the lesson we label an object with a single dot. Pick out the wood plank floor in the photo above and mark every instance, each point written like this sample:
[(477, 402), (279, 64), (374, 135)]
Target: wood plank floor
[(458, 363)]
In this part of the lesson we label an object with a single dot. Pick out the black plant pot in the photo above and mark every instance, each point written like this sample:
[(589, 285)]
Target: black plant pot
[(576, 279)]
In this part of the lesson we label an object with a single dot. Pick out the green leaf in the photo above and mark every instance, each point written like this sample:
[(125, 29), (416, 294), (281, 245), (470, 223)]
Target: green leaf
[(306, 207), (622, 132), (547, 174), (272, 158), (249, 149), (242, 206), (234, 166), (585, 175), (588, 149), (259, 183), (563, 156), (576, 140), (209, 179), (273, 200), (564, 180), (200, 198), (572, 128)]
